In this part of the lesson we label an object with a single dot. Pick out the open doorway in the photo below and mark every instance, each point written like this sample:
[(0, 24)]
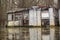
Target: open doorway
[(45, 22), (45, 26)]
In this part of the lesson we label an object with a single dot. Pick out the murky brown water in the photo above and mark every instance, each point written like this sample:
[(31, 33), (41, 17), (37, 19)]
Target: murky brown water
[(23, 34)]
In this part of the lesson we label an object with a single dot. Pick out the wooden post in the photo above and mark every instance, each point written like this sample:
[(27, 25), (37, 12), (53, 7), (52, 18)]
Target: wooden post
[(52, 29), (59, 17), (59, 24)]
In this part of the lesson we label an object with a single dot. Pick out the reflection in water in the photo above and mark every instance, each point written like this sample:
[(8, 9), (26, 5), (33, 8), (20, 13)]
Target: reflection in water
[(24, 33)]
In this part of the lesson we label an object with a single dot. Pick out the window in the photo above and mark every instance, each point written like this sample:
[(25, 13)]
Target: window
[(19, 19), (9, 17)]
